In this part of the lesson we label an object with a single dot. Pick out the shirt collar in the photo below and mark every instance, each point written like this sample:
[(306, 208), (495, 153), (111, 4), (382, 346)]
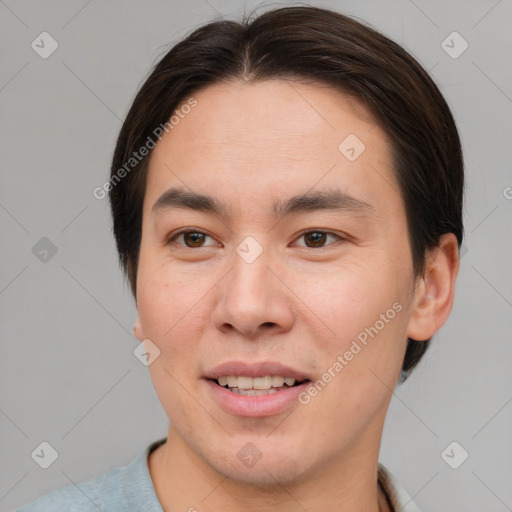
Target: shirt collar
[(397, 496)]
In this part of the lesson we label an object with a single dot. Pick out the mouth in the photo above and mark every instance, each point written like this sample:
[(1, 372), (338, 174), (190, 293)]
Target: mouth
[(256, 389), (257, 386)]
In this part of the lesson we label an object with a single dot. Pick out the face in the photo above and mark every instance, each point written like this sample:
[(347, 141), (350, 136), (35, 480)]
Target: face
[(298, 266)]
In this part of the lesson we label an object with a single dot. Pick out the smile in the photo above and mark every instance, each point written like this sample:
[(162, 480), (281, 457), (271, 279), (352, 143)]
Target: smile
[(256, 386)]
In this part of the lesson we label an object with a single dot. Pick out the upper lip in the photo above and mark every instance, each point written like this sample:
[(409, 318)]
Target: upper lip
[(261, 369)]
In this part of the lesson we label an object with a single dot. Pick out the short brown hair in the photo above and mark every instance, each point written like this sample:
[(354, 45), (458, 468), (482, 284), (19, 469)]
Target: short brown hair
[(326, 47)]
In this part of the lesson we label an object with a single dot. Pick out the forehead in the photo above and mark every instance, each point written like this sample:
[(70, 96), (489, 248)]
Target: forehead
[(271, 119), (251, 139)]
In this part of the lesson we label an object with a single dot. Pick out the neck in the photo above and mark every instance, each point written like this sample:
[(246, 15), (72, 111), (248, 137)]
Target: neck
[(184, 481)]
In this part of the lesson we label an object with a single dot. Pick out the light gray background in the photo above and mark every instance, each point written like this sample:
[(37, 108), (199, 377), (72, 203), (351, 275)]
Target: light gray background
[(68, 374)]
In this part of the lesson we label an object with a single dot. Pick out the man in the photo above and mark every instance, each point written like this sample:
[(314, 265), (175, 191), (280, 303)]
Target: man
[(287, 203)]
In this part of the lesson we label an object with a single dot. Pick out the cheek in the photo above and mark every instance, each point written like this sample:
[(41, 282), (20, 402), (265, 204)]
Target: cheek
[(346, 301), (169, 319), (364, 317), (175, 312), (167, 308)]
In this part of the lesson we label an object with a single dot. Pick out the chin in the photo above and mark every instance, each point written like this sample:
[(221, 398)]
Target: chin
[(271, 469), (264, 478)]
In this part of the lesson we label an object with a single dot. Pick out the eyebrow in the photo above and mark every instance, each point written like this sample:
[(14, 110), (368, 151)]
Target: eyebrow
[(307, 202)]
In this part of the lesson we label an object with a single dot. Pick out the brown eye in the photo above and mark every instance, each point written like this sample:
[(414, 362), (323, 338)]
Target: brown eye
[(317, 239), (191, 239)]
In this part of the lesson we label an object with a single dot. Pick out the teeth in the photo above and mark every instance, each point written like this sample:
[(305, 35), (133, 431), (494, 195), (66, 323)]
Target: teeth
[(267, 383), (254, 392), (277, 382), (245, 383), (260, 382)]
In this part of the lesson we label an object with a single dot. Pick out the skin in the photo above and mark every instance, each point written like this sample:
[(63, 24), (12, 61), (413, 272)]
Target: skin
[(248, 145)]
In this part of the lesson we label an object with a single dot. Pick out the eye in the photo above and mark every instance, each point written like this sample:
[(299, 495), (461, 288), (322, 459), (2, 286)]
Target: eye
[(194, 239), (191, 238), (317, 238)]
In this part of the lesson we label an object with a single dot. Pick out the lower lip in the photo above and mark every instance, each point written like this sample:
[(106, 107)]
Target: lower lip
[(253, 406)]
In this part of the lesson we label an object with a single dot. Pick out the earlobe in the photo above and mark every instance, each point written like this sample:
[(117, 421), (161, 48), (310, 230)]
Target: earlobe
[(137, 329), (433, 297)]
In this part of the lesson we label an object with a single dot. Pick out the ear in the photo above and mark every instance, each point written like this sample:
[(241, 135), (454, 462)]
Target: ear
[(137, 329), (434, 293)]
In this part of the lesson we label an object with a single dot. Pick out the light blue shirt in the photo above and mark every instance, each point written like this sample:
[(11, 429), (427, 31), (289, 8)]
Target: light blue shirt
[(130, 489), (123, 489)]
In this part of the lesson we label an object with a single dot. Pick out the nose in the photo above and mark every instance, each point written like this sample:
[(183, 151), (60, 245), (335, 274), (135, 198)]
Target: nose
[(253, 300)]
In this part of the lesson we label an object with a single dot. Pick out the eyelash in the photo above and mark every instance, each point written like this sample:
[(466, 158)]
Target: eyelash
[(301, 235)]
